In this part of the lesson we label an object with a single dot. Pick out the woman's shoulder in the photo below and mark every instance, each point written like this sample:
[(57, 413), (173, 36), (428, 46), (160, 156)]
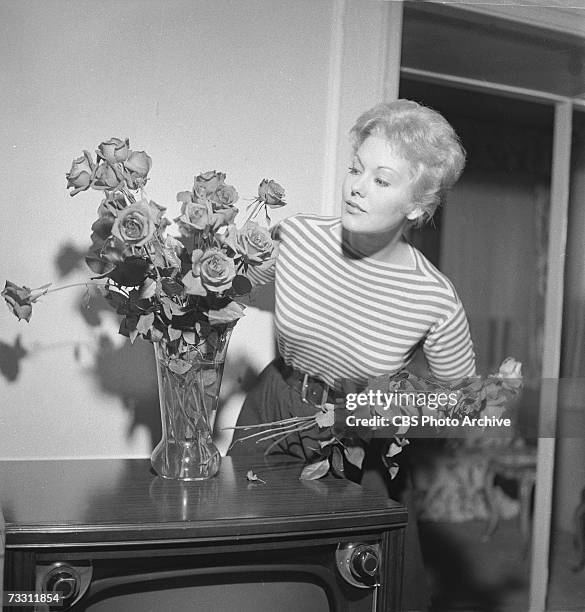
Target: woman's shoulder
[(307, 221), (435, 277)]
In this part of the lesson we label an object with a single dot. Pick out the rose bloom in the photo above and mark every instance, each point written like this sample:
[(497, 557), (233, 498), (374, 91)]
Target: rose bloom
[(80, 175), (134, 225), (216, 270), (114, 150), (199, 193), (223, 217), (19, 300), (137, 167), (195, 215), (271, 193), (210, 180), (254, 243), (106, 178), (511, 373), (224, 196)]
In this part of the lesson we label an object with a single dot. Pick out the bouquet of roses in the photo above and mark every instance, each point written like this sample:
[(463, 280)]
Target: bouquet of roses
[(488, 396), (176, 290)]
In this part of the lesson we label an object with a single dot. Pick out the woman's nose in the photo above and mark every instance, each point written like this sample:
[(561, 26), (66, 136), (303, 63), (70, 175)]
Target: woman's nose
[(358, 187)]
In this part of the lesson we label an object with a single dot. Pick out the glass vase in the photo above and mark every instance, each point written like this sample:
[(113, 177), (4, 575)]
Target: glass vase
[(188, 394)]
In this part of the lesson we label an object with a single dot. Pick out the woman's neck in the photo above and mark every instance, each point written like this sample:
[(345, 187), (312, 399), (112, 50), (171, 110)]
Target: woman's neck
[(388, 247)]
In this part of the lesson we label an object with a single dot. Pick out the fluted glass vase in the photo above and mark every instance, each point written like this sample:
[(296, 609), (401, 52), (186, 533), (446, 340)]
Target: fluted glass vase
[(188, 394)]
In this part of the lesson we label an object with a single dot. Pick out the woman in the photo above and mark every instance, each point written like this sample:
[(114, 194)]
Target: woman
[(354, 300)]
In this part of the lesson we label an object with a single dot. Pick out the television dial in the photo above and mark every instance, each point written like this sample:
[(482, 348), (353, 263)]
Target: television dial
[(67, 580), (364, 563), (359, 564)]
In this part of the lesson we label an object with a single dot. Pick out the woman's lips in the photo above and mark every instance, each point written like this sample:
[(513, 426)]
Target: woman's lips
[(353, 208)]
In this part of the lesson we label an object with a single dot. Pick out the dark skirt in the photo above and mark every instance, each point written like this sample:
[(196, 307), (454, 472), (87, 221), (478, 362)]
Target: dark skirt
[(272, 399)]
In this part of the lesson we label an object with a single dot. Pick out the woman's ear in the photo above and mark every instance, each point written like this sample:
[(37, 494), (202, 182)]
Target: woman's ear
[(415, 213)]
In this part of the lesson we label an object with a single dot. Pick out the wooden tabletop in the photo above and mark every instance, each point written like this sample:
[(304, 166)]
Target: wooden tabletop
[(71, 502)]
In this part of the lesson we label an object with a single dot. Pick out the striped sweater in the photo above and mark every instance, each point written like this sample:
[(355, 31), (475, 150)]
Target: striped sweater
[(339, 317)]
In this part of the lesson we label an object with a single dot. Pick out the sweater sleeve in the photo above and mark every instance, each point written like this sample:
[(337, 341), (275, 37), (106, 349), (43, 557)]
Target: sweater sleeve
[(449, 349)]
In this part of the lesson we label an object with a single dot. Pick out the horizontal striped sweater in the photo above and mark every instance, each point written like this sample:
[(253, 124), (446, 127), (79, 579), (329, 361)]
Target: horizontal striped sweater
[(342, 317)]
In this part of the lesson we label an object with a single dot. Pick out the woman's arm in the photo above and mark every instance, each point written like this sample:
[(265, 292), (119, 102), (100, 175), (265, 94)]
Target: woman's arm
[(448, 347)]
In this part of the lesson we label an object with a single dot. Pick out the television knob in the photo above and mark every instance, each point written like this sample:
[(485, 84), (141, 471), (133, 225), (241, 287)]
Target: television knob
[(364, 564), (63, 580)]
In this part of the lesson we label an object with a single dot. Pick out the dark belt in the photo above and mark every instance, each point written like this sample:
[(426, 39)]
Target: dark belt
[(311, 389)]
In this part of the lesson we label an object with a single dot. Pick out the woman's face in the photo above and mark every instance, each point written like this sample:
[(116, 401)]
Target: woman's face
[(377, 191)]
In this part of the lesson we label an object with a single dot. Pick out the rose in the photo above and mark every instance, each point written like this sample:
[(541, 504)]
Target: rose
[(224, 196), (215, 269), (80, 175), (271, 193), (511, 374), (195, 215), (223, 217), (137, 167), (18, 299), (210, 180), (199, 193), (254, 243), (134, 225), (106, 178), (114, 150)]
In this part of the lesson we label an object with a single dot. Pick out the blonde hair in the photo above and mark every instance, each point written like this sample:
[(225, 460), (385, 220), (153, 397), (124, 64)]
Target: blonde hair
[(424, 138)]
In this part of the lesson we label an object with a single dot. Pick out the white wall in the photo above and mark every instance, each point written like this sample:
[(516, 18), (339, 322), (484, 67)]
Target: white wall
[(239, 85)]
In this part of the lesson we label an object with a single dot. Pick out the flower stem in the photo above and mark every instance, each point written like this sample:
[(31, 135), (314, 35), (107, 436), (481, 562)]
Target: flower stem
[(44, 290)]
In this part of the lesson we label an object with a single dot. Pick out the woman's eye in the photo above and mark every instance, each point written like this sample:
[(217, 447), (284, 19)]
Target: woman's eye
[(382, 182), (353, 170)]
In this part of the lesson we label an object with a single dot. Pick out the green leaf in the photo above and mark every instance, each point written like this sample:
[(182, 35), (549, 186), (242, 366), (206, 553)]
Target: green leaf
[(174, 334), (393, 470), (337, 462), (190, 337), (193, 285), (172, 287), (230, 313), (179, 366), (241, 285), (145, 322), (148, 289), (355, 455), (131, 272), (325, 443), (316, 470), (394, 449), (99, 266), (156, 335), (171, 308)]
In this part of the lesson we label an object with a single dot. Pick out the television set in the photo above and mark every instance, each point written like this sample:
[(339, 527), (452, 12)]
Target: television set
[(111, 535)]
